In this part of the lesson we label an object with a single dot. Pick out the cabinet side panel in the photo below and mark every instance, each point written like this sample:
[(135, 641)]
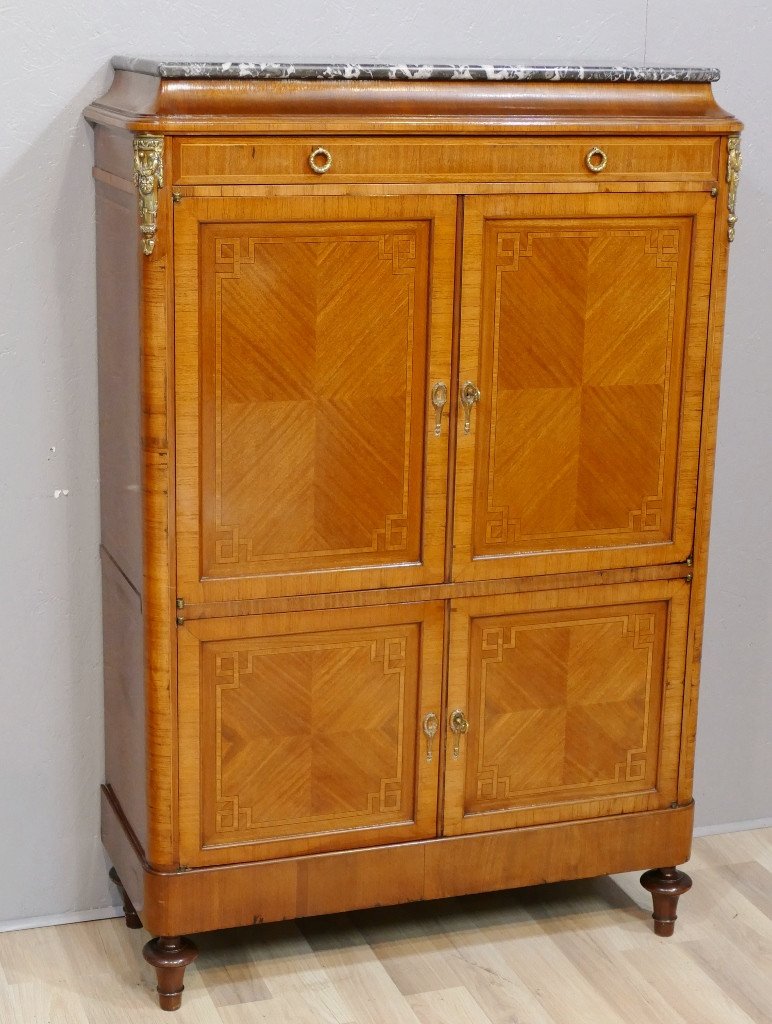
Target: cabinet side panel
[(125, 745), (112, 152), (136, 493), (158, 543), (120, 469), (120, 459), (705, 487)]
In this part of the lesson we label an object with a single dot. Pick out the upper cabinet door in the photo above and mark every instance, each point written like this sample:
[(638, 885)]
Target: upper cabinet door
[(583, 328), (309, 333)]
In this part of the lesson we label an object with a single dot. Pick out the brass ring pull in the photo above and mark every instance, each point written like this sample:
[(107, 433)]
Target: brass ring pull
[(458, 726), (320, 160), (596, 160)]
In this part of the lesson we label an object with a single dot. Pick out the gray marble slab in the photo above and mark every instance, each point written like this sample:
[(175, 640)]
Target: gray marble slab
[(406, 72)]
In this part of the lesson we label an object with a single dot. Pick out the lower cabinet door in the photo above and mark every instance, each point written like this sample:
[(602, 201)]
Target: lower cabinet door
[(572, 704), (302, 733)]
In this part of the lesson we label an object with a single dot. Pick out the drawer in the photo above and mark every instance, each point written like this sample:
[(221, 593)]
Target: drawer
[(368, 159)]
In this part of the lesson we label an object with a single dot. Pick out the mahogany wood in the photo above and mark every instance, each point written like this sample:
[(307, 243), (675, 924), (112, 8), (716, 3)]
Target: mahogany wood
[(665, 886), (170, 955), (125, 713), (705, 485), (119, 356), (226, 896), (298, 569), (132, 917), (145, 103), (113, 155)]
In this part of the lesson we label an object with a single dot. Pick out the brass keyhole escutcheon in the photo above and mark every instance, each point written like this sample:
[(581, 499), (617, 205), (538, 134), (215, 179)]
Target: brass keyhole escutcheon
[(439, 399), (470, 394), (320, 160), (458, 726), (596, 160), (430, 726)]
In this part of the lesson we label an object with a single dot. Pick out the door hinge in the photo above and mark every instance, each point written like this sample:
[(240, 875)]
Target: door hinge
[(180, 602)]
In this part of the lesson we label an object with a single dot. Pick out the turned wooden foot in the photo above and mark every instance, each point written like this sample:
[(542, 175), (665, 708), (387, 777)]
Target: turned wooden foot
[(665, 886), (132, 917), (170, 955)]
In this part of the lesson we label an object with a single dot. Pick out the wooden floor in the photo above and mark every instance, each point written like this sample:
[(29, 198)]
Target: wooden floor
[(573, 953)]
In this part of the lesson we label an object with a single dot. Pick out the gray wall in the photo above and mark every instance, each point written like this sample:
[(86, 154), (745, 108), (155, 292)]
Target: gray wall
[(53, 60)]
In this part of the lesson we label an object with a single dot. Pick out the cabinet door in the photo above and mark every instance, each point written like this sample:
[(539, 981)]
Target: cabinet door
[(573, 700), (309, 333), (584, 326), (302, 733)]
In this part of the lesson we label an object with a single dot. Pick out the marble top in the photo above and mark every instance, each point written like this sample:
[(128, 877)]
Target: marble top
[(418, 72)]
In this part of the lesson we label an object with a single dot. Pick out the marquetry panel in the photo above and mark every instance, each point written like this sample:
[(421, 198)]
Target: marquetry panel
[(312, 445), (308, 732), (585, 330), (573, 701)]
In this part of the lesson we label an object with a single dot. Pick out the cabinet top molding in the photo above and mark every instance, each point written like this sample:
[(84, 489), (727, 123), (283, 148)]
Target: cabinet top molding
[(410, 72), (194, 98)]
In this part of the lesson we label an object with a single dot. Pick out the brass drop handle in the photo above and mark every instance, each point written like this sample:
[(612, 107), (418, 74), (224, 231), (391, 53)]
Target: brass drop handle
[(439, 399), (596, 160), (320, 160), (430, 726), (458, 726), (470, 394)]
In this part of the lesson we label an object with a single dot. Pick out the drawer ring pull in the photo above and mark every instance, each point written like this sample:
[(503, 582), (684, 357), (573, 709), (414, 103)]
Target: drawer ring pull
[(596, 160), (320, 160)]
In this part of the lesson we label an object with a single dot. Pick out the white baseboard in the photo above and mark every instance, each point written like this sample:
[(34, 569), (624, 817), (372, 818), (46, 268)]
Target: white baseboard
[(733, 826), (74, 917)]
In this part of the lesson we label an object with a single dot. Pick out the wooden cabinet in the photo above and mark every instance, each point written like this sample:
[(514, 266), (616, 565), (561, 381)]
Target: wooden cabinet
[(408, 416)]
